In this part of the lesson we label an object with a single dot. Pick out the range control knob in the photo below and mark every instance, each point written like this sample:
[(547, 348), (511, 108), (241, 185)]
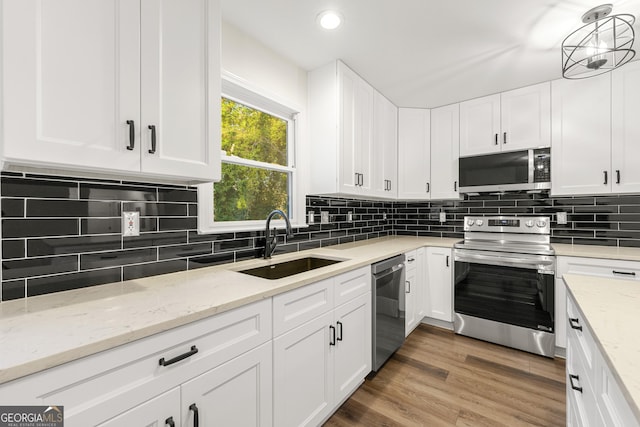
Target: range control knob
[(479, 222), (529, 223), (541, 223), (470, 222)]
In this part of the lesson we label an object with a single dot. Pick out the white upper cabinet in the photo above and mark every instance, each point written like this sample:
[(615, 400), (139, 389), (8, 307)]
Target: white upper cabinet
[(513, 120), (84, 82), (341, 131), (414, 171), (384, 172), (581, 148), (445, 152), (625, 143)]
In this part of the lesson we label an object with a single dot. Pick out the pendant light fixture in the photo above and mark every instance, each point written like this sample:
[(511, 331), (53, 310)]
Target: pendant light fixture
[(604, 43)]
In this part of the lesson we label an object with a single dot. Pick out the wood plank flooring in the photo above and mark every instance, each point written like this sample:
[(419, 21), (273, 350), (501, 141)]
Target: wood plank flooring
[(438, 378)]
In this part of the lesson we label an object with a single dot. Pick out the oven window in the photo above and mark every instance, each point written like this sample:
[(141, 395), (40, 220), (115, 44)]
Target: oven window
[(503, 168), (512, 295)]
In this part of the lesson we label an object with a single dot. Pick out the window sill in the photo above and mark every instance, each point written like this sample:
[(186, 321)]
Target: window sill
[(239, 228)]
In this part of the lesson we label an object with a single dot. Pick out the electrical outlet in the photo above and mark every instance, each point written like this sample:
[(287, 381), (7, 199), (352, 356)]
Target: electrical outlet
[(384, 216), (561, 217), (349, 216), (130, 223), (324, 217), (443, 216)]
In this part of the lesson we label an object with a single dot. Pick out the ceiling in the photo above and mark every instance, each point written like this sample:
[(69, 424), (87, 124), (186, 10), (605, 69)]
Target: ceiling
[(423, 53)]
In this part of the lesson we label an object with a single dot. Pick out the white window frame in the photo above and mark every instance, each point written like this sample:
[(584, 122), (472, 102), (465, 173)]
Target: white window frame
[(240, 91)]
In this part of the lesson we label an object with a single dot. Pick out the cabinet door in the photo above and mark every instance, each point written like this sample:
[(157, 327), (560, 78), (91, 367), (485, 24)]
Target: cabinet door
[(155, 412), (439, 286), (71, 72), (355, 111), (413, 153), (303, 374), (180, 42), (480, 126), (526, 117), (411, 300), (625, 150), (352, 360), (445, 152), (581, 136), (237, 393), (385, 148)]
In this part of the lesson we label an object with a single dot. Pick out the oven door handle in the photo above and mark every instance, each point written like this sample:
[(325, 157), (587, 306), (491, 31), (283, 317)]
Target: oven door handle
[(507, 260)]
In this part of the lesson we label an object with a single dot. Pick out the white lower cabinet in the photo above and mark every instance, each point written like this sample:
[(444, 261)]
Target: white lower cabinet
[(594, 397), (318, 363), (415, 289), (439, 287), (629, 270)]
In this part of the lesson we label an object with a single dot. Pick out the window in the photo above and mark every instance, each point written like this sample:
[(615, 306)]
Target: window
[(258, 164)]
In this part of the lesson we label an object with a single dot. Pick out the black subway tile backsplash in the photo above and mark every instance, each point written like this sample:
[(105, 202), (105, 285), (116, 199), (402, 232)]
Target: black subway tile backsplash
[(61, 233)]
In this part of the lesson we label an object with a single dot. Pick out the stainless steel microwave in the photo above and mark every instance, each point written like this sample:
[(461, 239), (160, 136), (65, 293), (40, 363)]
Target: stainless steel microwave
[(515, 170)]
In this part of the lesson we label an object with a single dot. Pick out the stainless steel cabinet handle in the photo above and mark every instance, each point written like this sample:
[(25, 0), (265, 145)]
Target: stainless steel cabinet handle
[(408, 283)]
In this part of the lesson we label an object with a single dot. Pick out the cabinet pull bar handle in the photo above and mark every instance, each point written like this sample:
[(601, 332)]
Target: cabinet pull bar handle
[(428, 187), (575, 323), (196, 420), (357, 179), (361, 179), (333, 335), (606, 177), (447, 260), (409, 287), (170, 422), (626, 273), (577, 378), (455, 185), (617, 176), (153, 139), (504, 138), (339, 331), (496, 139), (132, 134), (183, 356)]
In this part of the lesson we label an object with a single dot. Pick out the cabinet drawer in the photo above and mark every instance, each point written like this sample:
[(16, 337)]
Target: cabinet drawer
[(298, 306), (352, 284), (411, 260), (131, 374), (582, 402), (579, 337), (629, 270)]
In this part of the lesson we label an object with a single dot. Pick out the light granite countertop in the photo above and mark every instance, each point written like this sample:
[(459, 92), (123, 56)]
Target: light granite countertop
[(37, 333), (589, 251), (611, 309)]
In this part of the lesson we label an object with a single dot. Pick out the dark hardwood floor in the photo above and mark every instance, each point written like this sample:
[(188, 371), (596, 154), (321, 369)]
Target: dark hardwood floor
[(438, 378)]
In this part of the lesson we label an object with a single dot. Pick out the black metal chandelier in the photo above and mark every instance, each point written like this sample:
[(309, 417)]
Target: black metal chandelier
[(603, 44)]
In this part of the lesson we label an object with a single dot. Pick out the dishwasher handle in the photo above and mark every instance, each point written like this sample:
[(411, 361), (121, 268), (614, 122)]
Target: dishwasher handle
[(389, 271)]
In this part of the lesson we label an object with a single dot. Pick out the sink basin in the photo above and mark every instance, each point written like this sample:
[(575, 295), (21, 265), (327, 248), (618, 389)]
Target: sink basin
[(289, 268)]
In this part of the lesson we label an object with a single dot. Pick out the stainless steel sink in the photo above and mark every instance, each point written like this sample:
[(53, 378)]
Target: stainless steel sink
[(289, 268)]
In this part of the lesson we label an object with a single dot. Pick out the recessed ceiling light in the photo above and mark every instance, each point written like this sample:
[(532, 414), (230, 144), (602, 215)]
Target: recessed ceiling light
[(329, 20)]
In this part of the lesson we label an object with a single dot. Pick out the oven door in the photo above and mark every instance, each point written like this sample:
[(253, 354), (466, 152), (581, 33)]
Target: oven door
[(515, 289)]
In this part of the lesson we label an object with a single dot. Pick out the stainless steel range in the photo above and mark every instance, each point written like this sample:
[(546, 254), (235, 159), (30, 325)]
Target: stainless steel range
[(504, 282)]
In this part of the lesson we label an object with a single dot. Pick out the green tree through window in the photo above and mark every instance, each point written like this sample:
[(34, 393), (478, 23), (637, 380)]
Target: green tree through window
[(253, 180)]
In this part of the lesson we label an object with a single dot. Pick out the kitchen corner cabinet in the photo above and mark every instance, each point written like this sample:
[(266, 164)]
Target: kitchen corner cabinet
[(341, 131), (113, 87), (439, 289), (414, 134), (415, 288), (445, 152), (384, 171), (322, 347), (515, 120)]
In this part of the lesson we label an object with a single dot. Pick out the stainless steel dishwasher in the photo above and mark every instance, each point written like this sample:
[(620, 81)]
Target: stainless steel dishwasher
[(388, 309)]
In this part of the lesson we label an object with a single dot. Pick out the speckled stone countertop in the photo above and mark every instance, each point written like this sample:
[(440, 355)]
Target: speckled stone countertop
[(41, 332), (588, 251), (611, 308)]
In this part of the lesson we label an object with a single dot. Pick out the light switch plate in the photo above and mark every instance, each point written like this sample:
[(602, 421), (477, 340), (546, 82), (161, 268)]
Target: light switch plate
[(131, 223), (561, 217)]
